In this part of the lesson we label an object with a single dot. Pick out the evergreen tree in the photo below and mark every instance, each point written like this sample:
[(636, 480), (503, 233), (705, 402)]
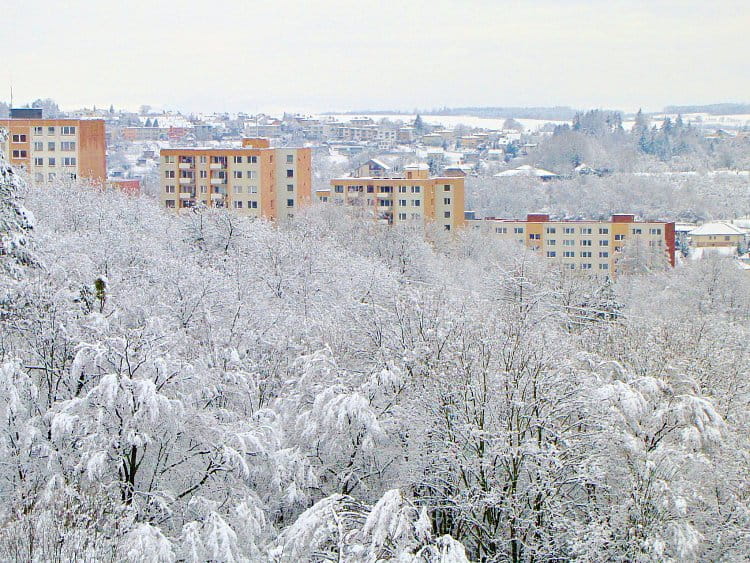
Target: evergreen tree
[(419, 124)]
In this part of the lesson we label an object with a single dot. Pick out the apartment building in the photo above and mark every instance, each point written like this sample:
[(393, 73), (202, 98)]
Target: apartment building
[(413, 195), (52, 149), (589, 246), (254, 180)]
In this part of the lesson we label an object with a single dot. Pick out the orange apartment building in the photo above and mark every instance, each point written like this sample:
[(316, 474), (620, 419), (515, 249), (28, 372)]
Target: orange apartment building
[(394, 198), (254, 180), (588, 246), (52, 149)]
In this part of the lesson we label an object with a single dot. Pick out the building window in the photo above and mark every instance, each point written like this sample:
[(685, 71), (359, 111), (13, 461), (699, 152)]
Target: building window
[(402, 216), (204, 189), (51, 176), (569, 254), (619, 237), (585, 230), (238, 189), (603, 231), (604, 255), (204, 174), (416, 203), (416, 189), (585, 254), (290, 173), (290, 203), (569, 242), (447, 188), (38, 130), (501, 230), (68, 146), (551, 254), (238, 160), (585, 266), (290, 187), (534, 236), (338, 189), (252, 160), (637, 232), (290, 159), (39, 177), (551, 230), (603, 243), (203, 160), (518, 230), (169, 174), (447, 227), (402, 203), (569, 230), (68, 130), (238, 173), (238, 205), (658, 232), (402, 189), (551, 242), (38, 161), (169, 204), (51, 162), (38, 146), (69, 161), (19, 138), (252, 205), (446, 215), (446, 201), (586, 243), (169, 189), (604, 266), (51, 146), (50, 130)]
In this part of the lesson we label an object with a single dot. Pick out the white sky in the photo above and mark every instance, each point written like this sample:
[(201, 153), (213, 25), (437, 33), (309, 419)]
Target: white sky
[(245, 55)]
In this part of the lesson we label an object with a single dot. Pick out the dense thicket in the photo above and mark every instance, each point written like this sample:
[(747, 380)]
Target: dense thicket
[(212, 388)]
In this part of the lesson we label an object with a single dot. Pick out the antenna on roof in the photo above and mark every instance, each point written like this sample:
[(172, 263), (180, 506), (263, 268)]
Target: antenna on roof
[(11, 93)]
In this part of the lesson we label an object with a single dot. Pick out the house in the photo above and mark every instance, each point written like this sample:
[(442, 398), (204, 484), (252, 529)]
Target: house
[(529, 171), (716, 235)]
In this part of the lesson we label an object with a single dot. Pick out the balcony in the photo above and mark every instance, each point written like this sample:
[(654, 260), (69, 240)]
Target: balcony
[(217, 166), (186, 195), (186, 165), (217, 197), (218, 181), (184, 181)]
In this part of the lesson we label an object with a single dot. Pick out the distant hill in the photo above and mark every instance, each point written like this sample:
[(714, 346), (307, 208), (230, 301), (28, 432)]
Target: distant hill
[(558, 113), (714, 109)]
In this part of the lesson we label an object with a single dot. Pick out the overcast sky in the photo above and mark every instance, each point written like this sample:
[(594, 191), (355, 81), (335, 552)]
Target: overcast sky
[(329, 55)]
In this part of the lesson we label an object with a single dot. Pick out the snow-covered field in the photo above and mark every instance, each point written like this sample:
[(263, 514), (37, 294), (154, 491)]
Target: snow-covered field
[(451, 121)]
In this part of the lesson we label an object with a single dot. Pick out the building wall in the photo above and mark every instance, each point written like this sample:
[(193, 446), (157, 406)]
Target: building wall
[(252, 181), (714, 241), (590, 246), (41, 152), (398, 200)]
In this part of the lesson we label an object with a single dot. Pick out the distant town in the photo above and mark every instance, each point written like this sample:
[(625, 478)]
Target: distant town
[(401, 167)]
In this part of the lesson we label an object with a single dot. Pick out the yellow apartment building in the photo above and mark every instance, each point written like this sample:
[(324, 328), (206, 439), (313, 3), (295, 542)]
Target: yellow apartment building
[(394, 198), (53, 149), (588, 246), (254, 180)]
